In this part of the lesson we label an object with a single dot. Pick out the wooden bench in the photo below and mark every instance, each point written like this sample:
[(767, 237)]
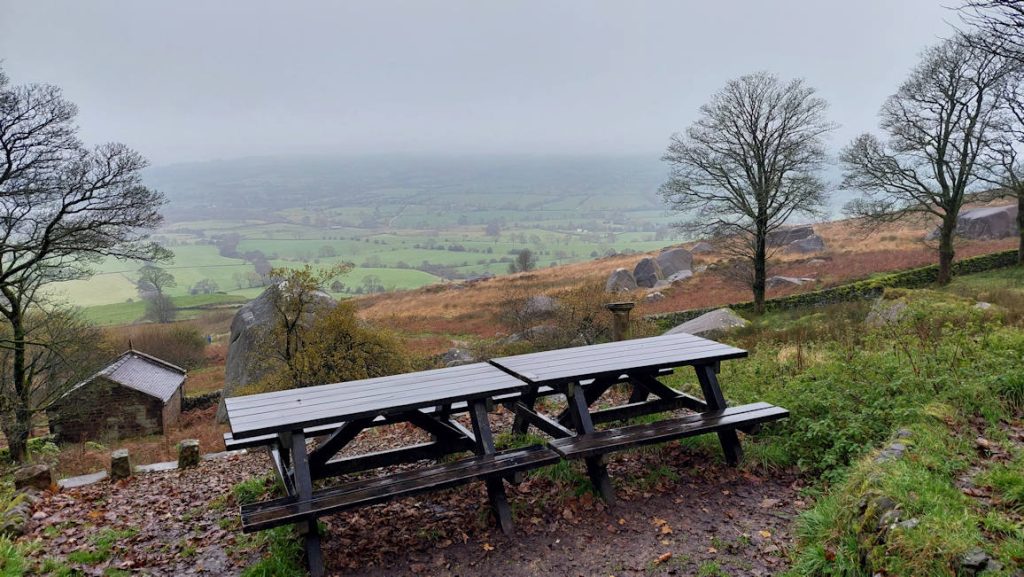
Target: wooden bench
[(608, 440), (287, 510)]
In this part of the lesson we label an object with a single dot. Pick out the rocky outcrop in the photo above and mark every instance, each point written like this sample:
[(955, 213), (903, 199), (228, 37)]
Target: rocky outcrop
[(789, 234), (457, 356), (250, 325), (540, 306), (38, 477), (621, 280), (680, 276), (885, 312), (647, 273), (986, 223), (786, 281), (710, 325), (808, 245), (673, 261), (702, 248)]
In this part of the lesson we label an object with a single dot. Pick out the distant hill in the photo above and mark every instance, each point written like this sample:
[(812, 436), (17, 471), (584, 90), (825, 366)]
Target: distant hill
[(249, 187)]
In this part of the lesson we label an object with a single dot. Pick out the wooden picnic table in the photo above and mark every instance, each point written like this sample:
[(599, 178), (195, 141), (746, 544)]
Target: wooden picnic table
[(428, 400), (585, 374), (423, 399)]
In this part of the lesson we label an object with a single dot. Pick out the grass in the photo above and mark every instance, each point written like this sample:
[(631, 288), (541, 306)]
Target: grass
[(189, 306), (283, 557), (103, 545)]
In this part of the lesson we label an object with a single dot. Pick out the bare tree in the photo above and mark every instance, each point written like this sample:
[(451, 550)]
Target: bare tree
[(940, 125), (1005, 161), (62, 207), (999, 25), (748, 164), (61, 350)]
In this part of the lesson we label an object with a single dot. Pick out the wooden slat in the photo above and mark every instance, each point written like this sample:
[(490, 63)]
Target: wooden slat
[(259, 414), (283, 511), (609, 440), (623, 356), (367, 461)]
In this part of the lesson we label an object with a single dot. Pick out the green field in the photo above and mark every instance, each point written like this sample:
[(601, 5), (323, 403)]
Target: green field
[(404, 222)]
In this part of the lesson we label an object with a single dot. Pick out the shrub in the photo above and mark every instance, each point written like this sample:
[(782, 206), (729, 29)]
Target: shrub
[(337, 347), (179, 344)]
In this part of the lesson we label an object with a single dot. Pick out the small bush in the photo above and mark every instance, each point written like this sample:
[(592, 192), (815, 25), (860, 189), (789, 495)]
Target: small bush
[(178, 344)]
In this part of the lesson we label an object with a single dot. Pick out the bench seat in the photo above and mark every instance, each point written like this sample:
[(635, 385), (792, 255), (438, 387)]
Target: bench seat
[(608, 440), (286, 510)]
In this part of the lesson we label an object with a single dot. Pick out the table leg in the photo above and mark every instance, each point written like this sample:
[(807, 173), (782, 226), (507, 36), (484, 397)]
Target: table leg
[(521, 424), (706, 375), (485, 446), (304, 488), (579, 412)]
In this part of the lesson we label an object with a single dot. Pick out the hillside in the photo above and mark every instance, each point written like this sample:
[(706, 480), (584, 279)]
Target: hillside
[(432, 316)]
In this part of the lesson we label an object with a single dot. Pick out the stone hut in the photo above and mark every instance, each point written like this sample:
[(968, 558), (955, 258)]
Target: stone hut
[(136, 395)]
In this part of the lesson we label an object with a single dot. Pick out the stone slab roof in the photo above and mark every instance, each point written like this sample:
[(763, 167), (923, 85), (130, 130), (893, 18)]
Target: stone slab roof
[(143, 373)]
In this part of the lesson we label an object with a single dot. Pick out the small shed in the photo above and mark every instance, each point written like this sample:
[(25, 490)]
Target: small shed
[(136, 395)]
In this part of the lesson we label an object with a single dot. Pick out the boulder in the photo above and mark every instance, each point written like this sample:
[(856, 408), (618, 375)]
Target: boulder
[(457, 356), (120, 465), (620, 281), (786, 281), (989, 222), (811, 244), (710, 324), (38, 477), (188, 453), (885, 312), (647, 273), (986, 223), (789, 234), (654, 297), (540, 306), (680, 276), (702, 248), (674, 260), (248, 328)]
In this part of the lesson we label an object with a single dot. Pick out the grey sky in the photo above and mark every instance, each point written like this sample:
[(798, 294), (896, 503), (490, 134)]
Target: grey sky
[(195, 80)]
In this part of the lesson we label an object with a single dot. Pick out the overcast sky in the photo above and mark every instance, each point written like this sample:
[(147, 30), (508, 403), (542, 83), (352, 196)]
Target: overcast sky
[(197, 80)]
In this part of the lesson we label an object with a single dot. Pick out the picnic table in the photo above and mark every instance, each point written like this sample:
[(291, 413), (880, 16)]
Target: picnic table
[(283, 421)]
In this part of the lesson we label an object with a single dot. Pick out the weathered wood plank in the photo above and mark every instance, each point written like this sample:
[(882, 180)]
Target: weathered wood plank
[(601, 442), (284, 511)]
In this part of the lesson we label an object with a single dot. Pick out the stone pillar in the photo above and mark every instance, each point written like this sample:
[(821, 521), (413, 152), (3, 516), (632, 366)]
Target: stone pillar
[(188, 453), (120, 465), (620, 319)]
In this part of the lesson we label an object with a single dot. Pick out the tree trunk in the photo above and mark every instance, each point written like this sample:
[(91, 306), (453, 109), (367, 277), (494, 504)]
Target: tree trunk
[(760, 270), (946, 251), (1020, 226), (17, 431)]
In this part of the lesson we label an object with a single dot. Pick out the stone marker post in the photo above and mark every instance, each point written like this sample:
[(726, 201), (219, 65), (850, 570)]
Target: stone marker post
[(120, 465), (620, 319), (188, 453)]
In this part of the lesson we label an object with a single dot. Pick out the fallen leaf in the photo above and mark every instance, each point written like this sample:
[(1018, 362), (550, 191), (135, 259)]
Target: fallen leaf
[(662, 558), (765, 534), (488, 547)]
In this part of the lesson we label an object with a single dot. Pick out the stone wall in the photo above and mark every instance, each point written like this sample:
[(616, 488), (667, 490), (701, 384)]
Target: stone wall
[(103, 410), (171, 411)]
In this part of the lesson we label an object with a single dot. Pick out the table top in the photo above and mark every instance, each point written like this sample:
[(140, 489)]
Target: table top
[(293, 409), (591, 361)]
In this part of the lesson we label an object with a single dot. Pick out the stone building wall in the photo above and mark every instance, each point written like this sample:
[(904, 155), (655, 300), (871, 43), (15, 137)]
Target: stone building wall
[(172, 410), (103, 410)]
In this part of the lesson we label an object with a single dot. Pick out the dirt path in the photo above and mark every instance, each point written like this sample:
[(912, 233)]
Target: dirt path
[(677, 515)]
